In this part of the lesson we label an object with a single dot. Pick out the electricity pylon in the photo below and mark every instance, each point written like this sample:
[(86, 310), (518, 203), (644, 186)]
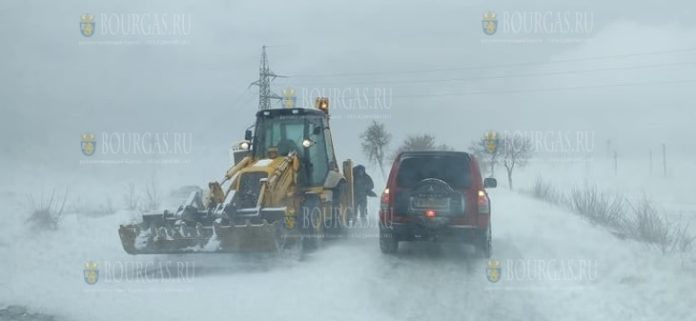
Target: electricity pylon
[(264, 82)]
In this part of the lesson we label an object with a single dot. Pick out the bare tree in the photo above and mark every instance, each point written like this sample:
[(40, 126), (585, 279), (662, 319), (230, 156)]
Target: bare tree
[(420, 143), (375, 140), (152, 197), (130, 198), (444, 147), (516, 150)]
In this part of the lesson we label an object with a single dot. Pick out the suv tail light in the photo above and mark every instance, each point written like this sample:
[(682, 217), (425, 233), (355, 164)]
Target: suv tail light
[(484, 206), (430, 213), (385, 200)]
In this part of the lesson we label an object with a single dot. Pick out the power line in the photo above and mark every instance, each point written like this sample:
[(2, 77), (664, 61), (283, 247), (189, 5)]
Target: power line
[(534, 90), (541, 74), (238, 101), (494, 66)]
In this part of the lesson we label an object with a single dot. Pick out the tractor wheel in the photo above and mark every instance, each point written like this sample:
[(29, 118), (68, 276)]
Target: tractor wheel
[(338, 222), (288, 241), (310, 223)]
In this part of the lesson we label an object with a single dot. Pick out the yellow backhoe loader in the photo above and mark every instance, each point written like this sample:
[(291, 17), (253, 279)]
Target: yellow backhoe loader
[(285, 191)]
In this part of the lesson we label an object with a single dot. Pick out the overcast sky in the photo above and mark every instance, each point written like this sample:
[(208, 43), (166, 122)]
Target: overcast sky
[(629, 78)]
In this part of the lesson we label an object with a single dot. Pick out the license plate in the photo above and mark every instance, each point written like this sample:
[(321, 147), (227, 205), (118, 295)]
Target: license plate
[(430, 203)]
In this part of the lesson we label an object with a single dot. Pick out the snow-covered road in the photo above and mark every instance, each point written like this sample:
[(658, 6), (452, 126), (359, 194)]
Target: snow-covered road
[(554, 265)]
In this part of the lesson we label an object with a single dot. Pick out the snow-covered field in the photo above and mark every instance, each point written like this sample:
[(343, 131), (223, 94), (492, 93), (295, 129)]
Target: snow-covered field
[(604, 88), (554, 266)]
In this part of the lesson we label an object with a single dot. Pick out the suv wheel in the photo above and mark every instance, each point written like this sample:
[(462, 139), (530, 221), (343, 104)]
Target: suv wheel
[(484, 246), (388, 242)]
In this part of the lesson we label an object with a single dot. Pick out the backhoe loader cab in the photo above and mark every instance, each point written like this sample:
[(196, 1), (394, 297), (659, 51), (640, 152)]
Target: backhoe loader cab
[(280, 132), (284, 191)]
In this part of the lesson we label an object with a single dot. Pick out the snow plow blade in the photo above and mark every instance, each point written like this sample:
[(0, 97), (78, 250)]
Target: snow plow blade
[(247, 238), (138, 240), (159, 235)]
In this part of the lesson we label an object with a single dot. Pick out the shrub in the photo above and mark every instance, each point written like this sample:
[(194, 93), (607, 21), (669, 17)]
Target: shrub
[(600, 208), (545, 191), (130, 198), (641, 221), (46, 213)]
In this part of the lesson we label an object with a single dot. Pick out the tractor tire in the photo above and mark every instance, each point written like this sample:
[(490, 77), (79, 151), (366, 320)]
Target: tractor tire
[(310, 220), (337, 228), (288, 242)]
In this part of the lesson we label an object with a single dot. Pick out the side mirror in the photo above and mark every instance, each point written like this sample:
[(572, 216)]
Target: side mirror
[(490, 182), (316, 130), (248, 135)]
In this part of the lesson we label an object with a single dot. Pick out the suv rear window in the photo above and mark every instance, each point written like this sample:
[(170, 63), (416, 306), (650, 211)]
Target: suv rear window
[(452, 169)]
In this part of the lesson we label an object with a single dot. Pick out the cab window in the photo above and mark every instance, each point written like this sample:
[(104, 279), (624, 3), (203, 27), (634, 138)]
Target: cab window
[(317, 154)]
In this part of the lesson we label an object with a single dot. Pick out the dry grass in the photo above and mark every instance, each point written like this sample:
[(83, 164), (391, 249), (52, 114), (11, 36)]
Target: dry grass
[(46, 212), (600, 208), (545, 191), (152, 199), (640, 221), (130, 198)]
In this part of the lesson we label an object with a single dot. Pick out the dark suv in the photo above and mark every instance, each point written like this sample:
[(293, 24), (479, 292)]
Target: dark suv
[(436, 196)]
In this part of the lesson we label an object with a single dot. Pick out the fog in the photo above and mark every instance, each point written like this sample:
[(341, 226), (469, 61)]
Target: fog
[(620, 83), (54, 86)]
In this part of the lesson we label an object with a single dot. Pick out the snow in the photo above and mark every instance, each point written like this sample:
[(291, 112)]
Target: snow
[(213, 243), (262, 162), (351, 280), (141, 239)]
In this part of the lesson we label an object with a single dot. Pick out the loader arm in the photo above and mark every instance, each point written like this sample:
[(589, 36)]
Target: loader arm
[(282, 183)]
